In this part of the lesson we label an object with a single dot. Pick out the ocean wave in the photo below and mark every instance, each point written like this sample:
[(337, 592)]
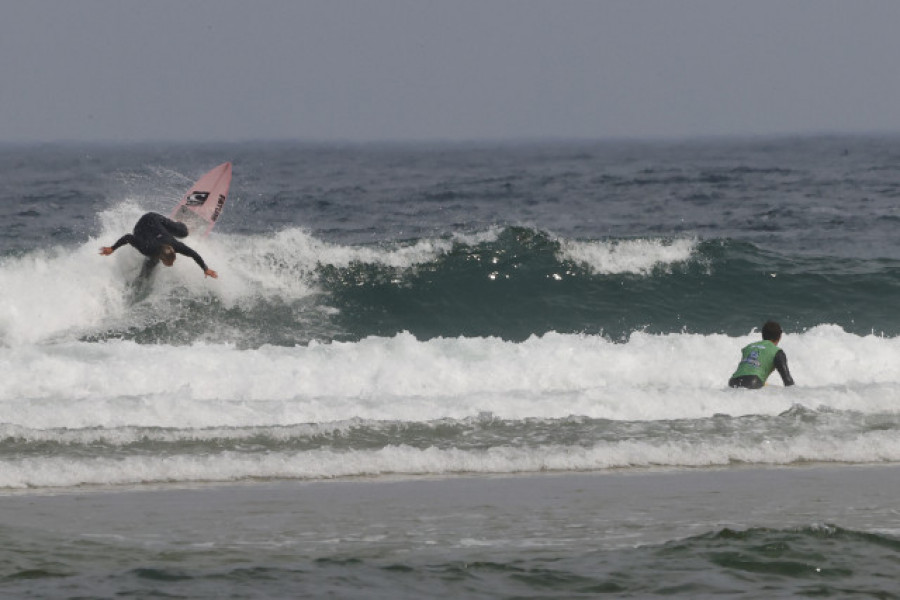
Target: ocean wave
[(226, 466), (649, 376), (64, 291), (290, 287)]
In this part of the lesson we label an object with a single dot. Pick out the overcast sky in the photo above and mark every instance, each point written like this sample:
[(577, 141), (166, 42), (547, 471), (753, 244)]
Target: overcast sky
[(181, 70)]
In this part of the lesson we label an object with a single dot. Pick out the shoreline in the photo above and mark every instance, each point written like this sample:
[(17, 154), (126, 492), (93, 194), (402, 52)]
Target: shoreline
[(596, 509), (413, 479)]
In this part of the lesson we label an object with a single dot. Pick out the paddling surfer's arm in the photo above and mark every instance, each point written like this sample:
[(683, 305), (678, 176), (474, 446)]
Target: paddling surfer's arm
[(781, 366)]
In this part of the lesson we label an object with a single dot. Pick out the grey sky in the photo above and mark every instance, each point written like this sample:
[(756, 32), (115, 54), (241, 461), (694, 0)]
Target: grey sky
[(177, 70)]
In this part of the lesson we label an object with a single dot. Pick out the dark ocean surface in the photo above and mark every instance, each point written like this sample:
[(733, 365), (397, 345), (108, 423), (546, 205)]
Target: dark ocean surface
[(494, 313)]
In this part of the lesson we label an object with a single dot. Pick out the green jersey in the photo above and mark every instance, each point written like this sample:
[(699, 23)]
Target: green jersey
[(757, 359)]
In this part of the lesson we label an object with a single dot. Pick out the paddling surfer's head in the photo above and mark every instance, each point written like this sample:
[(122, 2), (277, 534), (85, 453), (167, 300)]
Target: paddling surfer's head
[(167, 255), (771, 331)]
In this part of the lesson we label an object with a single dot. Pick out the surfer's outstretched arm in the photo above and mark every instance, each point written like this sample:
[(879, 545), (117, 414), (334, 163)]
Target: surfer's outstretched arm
[(125, 239), (181, 248)]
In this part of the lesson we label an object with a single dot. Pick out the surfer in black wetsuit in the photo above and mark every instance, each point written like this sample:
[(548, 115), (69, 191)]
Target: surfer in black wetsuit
[(154, 237)]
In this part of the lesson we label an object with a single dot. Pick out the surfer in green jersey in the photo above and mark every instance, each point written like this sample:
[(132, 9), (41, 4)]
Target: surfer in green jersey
[(759, 359)]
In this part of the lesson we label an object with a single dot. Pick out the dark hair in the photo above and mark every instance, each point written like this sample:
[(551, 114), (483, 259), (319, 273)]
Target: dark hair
[(771, 331), (167, 254)]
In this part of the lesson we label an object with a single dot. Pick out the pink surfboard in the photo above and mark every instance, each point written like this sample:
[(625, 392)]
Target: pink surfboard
[(202, 204)]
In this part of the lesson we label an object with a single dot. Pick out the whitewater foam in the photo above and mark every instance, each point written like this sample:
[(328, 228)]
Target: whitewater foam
[(638, 256), (68, 471), (80, 384)]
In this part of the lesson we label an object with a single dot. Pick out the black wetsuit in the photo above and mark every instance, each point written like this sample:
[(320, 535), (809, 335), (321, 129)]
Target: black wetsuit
[(753, 382), (152, 232)]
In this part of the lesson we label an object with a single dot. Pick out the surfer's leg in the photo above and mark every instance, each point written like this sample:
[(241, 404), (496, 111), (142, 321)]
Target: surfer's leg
[(140, 287), (147, 268), (176, 228)]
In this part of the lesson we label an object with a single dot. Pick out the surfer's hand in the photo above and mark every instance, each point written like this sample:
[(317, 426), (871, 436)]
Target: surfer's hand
[(106, 250), (211, 273)]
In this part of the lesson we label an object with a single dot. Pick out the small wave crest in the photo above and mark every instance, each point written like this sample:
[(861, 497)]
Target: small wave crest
[(640, 256)]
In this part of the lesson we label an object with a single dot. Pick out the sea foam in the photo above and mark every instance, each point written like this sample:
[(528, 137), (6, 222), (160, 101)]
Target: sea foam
[(647, 377), (68, 471)]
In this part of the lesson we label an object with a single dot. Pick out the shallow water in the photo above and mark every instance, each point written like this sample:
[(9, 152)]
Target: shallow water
[(741, 532)]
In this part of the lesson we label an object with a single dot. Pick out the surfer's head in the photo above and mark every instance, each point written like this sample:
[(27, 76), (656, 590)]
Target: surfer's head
[(771, 331), (167, 255)]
